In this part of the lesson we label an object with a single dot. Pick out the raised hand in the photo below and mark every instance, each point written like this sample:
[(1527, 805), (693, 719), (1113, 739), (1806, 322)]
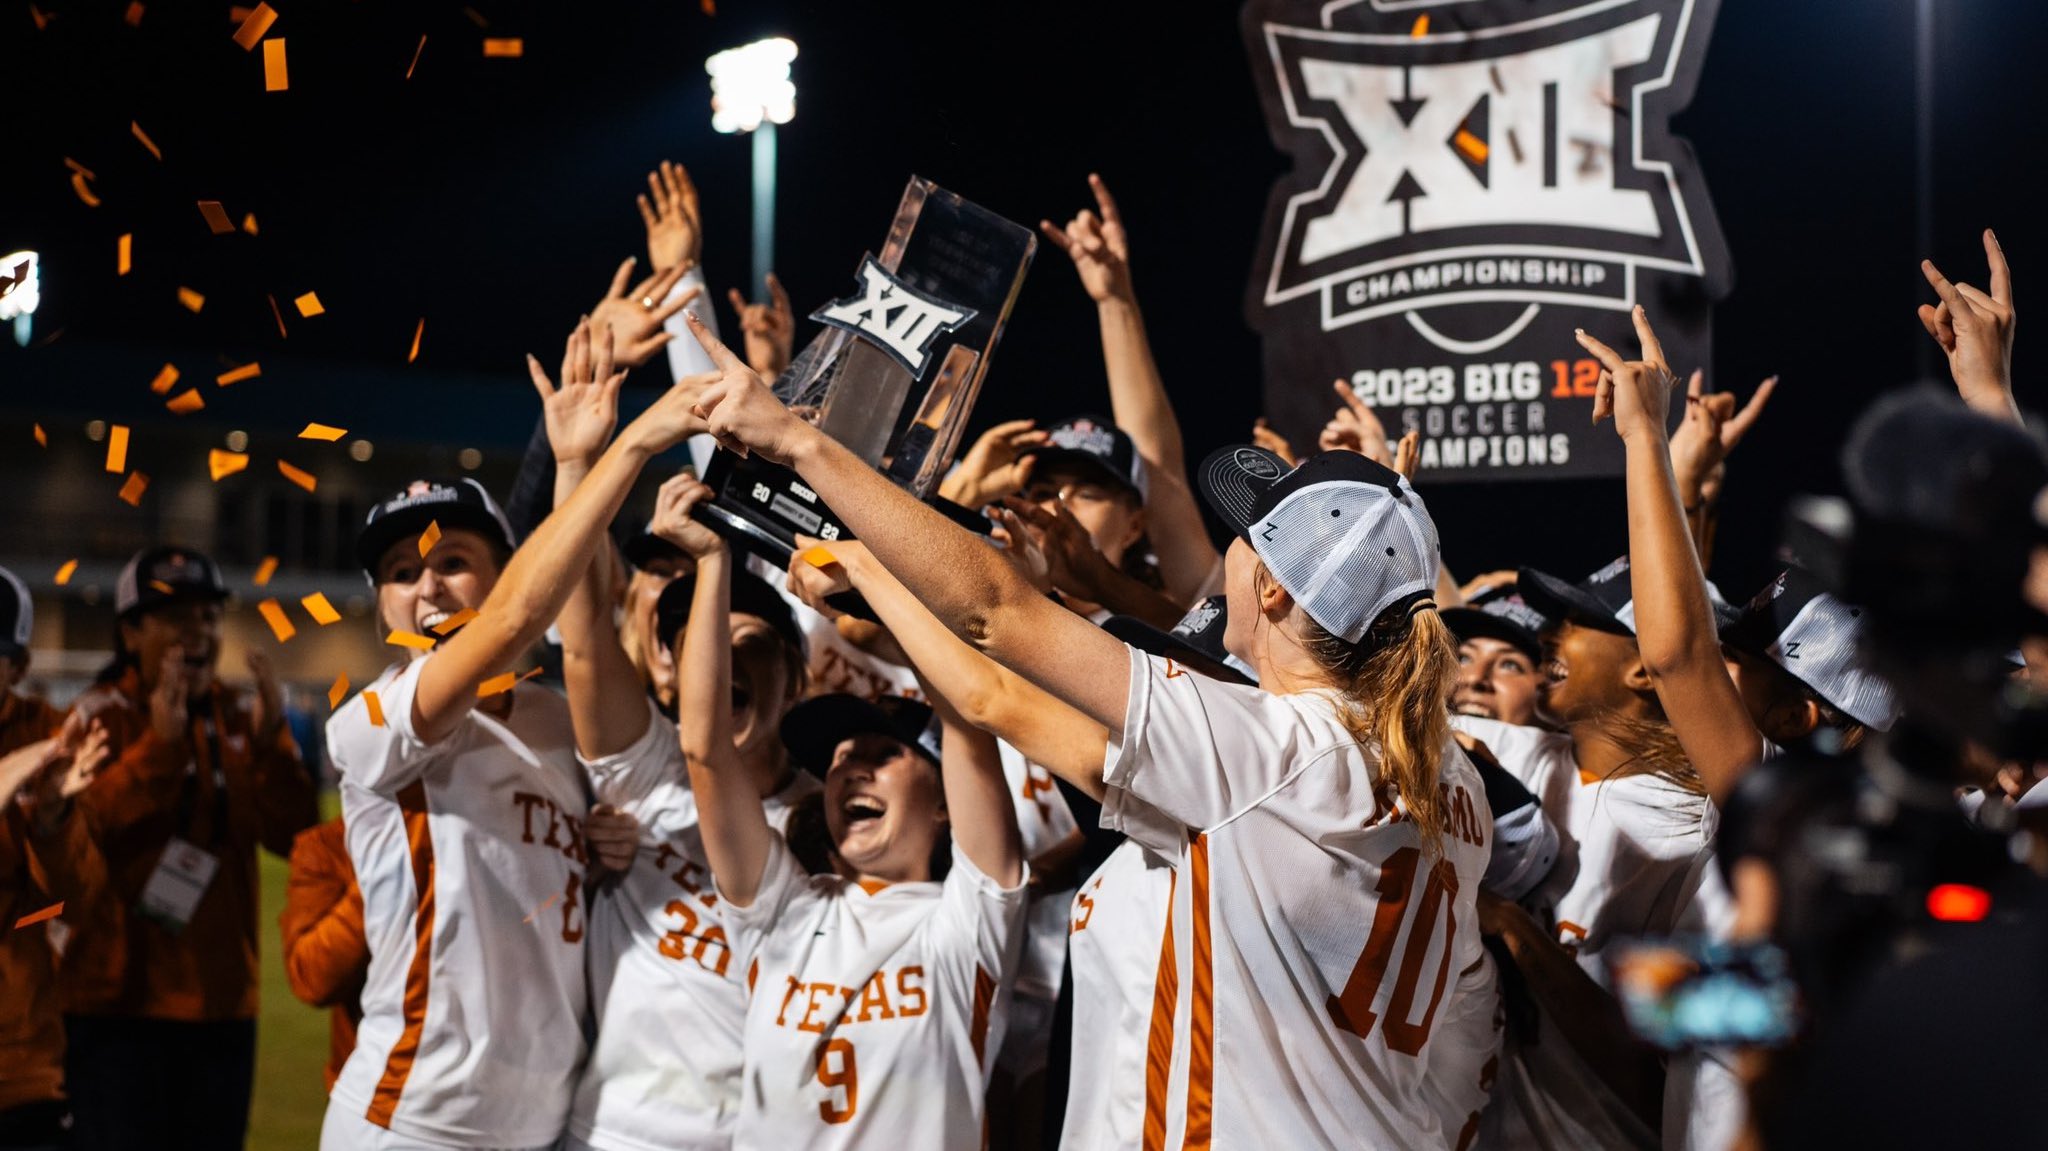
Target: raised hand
[(673, 519), (770, 329), (1263, 436), (997, 465), (1975, 331), (1485, 582), (739, 410), (814, 584), (1073, 565), (1355, 428), (1711, 429), (1408, 454), (613, 836), (1637, 393), (1020, 545), (83, 749), (674, 233), (635, 315), (581, 413), (1097, 245)]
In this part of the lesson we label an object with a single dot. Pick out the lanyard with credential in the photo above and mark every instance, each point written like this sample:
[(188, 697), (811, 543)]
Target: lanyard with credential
[(187, 797)]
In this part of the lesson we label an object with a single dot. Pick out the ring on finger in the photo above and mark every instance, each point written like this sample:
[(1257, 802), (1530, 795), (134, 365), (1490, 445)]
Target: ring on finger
[(647, 302)]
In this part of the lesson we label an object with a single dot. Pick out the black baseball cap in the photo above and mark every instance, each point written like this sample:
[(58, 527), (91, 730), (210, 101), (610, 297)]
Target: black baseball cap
[(1197, 640), (166, 574), (751, 595), (814, 729), (453, 504), (1500, 614), (1095, 444), (17, 615), (1604, 600)]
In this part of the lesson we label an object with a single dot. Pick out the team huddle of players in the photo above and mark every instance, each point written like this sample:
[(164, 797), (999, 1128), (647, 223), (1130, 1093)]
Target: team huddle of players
[(782, 868)]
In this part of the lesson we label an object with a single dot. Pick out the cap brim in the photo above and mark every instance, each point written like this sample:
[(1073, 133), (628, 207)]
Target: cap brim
[(1233, 480), (1471, 623), (1043, 458), (1555, 599), (1166, 645), (377, 538), (813, 730)]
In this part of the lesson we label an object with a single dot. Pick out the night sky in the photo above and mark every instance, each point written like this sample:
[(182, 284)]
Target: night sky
[(494, 196)]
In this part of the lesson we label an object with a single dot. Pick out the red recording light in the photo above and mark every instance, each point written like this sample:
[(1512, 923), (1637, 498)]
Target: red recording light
[(1958, 903)]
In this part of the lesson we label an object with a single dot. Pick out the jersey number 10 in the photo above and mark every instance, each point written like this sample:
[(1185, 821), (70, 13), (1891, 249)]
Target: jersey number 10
[(1352, 1010)]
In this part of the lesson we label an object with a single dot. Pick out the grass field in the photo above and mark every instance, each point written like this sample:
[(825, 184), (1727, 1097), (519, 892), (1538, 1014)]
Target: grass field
[(291, 1038)]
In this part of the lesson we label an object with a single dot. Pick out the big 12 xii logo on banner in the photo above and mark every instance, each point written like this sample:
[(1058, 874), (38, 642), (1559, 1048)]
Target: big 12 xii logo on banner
[(1472, 180)]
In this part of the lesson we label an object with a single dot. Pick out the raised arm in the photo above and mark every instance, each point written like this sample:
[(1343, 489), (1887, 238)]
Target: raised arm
[(737, 838), (978, 807), (530, 591), (970, 588), (1100, 250), (981, 691), (1700, 449), (1974, 329), (1675, 629)]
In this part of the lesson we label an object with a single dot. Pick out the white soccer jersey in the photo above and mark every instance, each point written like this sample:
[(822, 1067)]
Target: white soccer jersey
[(1117, 921), (1043, 822), (1312, 949), (669, 1003), (873, 1017), (470, 855)]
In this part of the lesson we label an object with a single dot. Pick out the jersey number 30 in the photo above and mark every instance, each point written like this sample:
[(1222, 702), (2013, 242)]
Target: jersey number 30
[(1352, 1010)]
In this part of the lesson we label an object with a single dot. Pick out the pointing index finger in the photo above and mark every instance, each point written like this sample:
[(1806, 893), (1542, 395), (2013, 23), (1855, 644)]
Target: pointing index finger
[(1647, 336), (713, 347), (2001, 275), (1608, 357), (1104, 201)]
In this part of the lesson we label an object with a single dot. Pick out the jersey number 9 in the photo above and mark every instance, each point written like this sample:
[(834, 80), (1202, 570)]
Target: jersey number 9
[(845, 1079)]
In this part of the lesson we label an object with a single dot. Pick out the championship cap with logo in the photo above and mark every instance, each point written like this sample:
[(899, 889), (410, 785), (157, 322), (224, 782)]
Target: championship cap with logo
[(751, 595), (1095, 444), (1345, 536), (1604, 600), (17, 615), (1501, 614), (814, 729), (452, 504), (166, 574), (1798, 625), (1196, 641)]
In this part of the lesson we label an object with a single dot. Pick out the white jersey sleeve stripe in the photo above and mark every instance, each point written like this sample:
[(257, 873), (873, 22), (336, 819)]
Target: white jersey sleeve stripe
[(412, 801)]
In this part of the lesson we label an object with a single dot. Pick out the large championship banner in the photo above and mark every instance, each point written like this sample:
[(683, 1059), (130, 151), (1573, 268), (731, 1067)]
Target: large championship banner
[(1472, 180)]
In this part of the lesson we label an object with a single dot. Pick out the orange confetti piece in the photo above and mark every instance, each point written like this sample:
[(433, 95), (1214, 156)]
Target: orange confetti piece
[(276, 78), (237, 375), (265, 570), (281, 333), (41, 17), (299, 476), (280, 623), (430, 537), (42, 437), (64, 573), (78, 180), (1421, 27), (376, 708), (309, 305), (335, 693), (133, 17), (323, 613), (163, 587), (192, 300), (79, 168), (496, 685), (131, 491), (1473, 147), (416, 56), (166, 376), (322, 432), (416, 334), (475, 17), (237, 14), (254, 26), (410, 639), (544, 904), (447, 627), (819, 556), (34, 917), (710, 7), (216, 219), (249, 222), (504, 46), (135, 130), (117, 449), (186, 403), (222, 464), (123, 253)]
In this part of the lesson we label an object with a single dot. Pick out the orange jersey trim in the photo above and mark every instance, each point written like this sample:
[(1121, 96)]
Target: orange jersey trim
[(984, 998), (398, 1065), (1159, 1040), (1202, 1022)]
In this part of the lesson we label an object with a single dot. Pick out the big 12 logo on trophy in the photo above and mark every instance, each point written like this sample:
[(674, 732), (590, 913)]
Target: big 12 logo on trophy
[(1472, 180)]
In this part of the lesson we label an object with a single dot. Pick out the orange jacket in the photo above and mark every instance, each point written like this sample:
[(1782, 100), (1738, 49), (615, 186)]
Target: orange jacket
[(120, 962), (31, 1029), (326, 957)]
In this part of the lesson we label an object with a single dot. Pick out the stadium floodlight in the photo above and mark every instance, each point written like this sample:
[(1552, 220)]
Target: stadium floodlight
[(751, 92)]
